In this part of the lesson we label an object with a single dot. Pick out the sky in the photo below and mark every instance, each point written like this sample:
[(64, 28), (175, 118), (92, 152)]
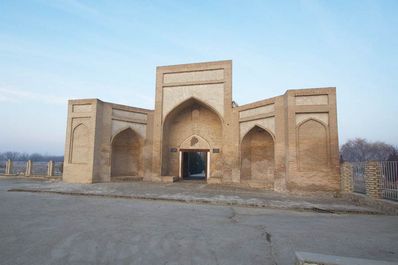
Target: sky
[(55, 50)]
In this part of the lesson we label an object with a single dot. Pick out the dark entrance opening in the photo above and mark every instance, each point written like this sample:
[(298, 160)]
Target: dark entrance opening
[(194, 165)]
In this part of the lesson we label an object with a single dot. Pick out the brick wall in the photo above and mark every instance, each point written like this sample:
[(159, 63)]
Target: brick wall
[(346, 177), (372, 179)]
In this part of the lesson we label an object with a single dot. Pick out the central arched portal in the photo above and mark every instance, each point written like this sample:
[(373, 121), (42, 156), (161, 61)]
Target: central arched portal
[(191, 133)]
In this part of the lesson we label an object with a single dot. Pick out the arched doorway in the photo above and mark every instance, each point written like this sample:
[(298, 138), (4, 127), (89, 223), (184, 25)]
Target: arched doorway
[(257, 158), (195, 121), (126, 155)]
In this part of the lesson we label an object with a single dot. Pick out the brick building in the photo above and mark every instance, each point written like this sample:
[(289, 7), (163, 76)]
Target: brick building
[(196, 131)]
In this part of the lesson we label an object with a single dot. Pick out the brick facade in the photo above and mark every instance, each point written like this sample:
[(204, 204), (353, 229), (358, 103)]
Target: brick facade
[(346, 177), (372, 179), (285, 143)]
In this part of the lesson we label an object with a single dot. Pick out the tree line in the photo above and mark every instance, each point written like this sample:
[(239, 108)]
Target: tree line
[(354, 150), (35, 157), (360, 149)]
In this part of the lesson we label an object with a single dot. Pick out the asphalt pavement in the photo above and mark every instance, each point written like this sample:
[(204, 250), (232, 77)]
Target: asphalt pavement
[(50, 228)]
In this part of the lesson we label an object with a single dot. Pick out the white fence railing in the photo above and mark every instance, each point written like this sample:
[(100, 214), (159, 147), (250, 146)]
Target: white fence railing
[(389, 180)]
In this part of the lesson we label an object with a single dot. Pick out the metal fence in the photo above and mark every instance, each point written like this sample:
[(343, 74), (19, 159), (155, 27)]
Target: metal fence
[(58, 168), (3, 167), (39, 168), (18, 167), (389, 180), (358, 177)]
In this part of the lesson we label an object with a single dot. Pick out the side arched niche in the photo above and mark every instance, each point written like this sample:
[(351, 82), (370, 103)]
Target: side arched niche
[(257, 157), (80, 144), (126, 158), (312, 141), (191, 118)]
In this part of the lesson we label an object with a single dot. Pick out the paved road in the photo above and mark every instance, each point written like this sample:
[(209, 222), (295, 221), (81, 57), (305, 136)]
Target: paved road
[(37, 228)]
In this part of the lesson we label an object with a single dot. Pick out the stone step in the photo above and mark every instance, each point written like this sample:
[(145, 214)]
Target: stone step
[(214, 180), (126, 178), (169, 179)]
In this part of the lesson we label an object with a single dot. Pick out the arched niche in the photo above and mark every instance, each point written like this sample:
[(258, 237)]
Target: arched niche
[(192, 117), (80, 145), (312, 142), (126, 158), (257, 156)]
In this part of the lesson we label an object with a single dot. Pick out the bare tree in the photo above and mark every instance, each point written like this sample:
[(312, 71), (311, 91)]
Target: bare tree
[(360, 149), (17, 156), (394, 155), (36, 157), (11, 155), (23, 156)]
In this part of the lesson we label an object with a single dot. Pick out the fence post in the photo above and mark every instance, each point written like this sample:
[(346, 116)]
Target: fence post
[(346, 177), (50, 168), (372, 179), (28, 171), (9, 167)]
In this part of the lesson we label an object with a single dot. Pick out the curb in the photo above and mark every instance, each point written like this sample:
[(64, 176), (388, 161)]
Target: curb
[(307, 258), (262, 205), (382, 205)]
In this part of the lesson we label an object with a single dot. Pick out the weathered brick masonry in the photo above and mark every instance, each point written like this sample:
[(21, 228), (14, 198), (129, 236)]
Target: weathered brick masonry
[(288, 142)]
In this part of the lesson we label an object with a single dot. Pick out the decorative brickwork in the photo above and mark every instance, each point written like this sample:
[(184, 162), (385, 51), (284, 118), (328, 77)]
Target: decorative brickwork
[(372, 179), (346, 177)]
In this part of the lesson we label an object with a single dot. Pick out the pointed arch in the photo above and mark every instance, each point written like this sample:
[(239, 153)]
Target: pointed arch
[(126, 155), (314, 119), (258, 156), (116, 133), (191, 117), (80, 144), (261, 127), (188, 102), (312, 145)]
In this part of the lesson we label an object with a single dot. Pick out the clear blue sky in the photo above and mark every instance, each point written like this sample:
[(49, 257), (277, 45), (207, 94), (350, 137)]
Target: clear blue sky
[(53, 50)]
